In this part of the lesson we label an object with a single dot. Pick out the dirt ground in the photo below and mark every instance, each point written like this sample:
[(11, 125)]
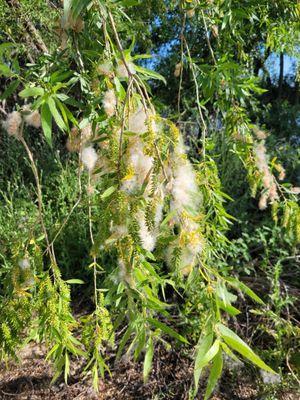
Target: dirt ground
[(170, 379)]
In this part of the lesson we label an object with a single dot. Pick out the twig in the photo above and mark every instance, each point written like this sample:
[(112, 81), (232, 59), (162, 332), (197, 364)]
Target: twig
[(93, 243), (207, 39), (122, 130), (50, 248), (72, 209), (204, 127), (119, 43), (181, 63)]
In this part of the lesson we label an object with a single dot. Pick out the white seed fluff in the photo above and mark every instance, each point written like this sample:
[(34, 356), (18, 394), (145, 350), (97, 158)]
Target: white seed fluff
[(13, 123), (89, 157), (148, 238), (24, 263), (185, 193), (137, 121), (122, 71), (33, 119), (109, 103), (269, 378)]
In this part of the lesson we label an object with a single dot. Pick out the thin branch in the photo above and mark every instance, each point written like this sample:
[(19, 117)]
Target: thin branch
[(181, 62), (204, 126), (207, 39), (50, 248)]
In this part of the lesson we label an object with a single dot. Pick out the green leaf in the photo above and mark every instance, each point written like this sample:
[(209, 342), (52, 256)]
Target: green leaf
[(149, 73), (77, 7), (215, 373), (108, 192), (10, 89), (5, 70), (123, 342), (165, 328), (231, 310), (130, 3), (95, 377), (244, 288), (75, 282), (202, 348), (32, 92), (237, 344), (56, 115), (46, 119), (148, 359), (208, 356), (67, 367)]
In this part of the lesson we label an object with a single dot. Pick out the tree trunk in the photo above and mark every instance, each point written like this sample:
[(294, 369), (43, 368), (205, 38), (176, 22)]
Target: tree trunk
[(280, 81)]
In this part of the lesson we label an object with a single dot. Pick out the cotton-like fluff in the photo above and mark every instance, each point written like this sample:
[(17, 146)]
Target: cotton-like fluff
[(109, 103), (12, 124), (122, 71), (86, 133), (24, 263), (33, 119), (185, 192), (190, 243), (148, 238), (139, 162), (295, 190), (260, 134), (105, 69), (263, 201), (183, 184), (89, 158), (137, 121), (270, 194), (119, 230), (78, 137), (158, 214), (124, 274), (269, 378), (177, 71)]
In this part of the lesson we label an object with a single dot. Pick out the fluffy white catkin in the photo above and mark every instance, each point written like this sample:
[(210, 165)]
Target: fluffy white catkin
[(89, 157)]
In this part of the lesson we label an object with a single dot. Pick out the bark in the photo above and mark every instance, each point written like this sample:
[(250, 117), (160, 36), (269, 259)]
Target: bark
[(280, 81)]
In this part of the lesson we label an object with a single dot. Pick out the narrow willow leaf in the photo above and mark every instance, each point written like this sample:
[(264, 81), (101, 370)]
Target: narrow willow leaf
[(202, 348), (67, 367), (32, 92), (123, 342), (148, 359), (108, 192), (77, 7), (5, 70), (75, 282), (165, 328), (46, 118), (56, 115), (231, 310), (237, 344), (10, 89), (208, 356), (95, 377), (149, 73), (244, 288), (215, 373)]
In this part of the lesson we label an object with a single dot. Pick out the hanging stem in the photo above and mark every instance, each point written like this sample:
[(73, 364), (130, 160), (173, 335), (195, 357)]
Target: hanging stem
[(50, 248), (204, 126), (181, 63), (93, 243)]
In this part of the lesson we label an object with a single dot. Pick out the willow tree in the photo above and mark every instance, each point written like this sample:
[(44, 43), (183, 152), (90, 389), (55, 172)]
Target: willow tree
[(157, 217)]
